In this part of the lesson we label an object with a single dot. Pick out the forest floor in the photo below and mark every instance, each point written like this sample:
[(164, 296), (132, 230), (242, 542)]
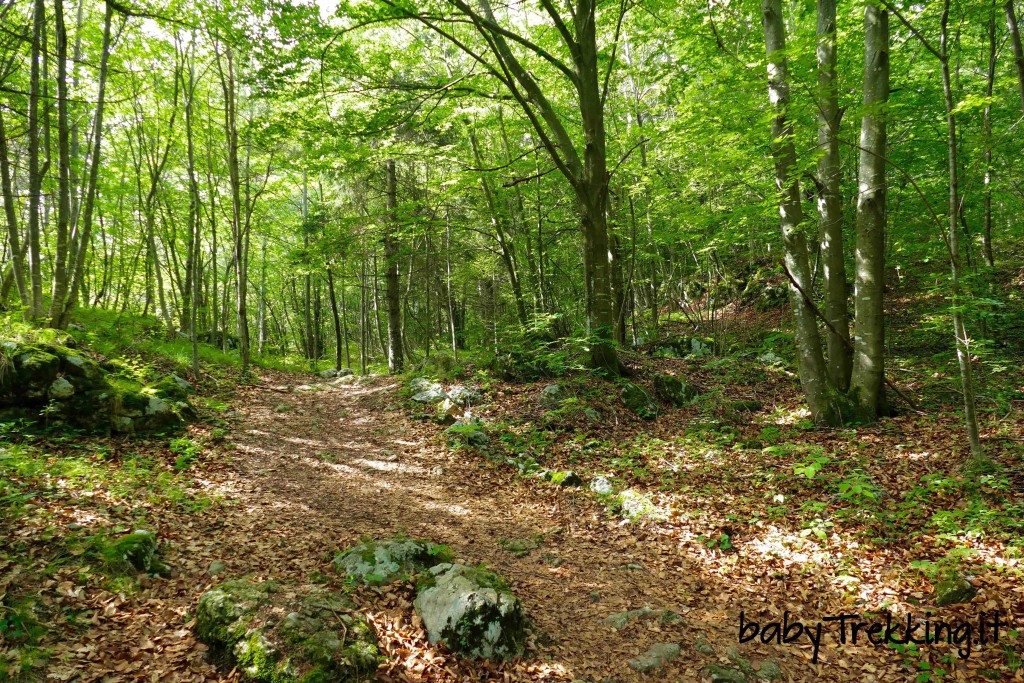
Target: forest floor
[(295, 472)]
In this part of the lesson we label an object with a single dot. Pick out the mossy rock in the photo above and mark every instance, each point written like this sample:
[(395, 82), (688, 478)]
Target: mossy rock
[(136, 552), (81, 392), (473, 611), (378, 563), (568, 478), (274, 636), (172, 387), (673, 390), (636, 398), (953, 591), (633, 505)]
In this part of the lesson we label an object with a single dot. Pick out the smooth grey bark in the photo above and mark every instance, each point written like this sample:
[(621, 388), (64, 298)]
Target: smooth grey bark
[(867, 382), (395, 349), (814, 377), (830, 201), (338, 341), (1018, 49)]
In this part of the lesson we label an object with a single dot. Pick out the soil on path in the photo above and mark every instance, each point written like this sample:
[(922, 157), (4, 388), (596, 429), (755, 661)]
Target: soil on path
[(315, 468), (319, 469)]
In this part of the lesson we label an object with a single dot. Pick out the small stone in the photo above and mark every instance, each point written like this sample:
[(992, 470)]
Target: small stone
[(551, 394), (953, 591), (769, 671), (461, 396), (568, 479), (656, 657), (601, 486), (704, 647), (217, 568)]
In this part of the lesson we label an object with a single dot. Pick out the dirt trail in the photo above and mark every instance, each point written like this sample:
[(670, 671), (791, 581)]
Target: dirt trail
[(320, 469)]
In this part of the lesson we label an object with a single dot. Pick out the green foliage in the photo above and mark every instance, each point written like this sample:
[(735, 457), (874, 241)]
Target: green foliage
[(187, 450)]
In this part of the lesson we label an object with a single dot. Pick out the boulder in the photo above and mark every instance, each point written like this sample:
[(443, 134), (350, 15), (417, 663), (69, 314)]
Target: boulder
[(377, 563), (622, 619), (656, 657), (330, 373), (433, 393), (276, 636), (344, 372), (472, 611), (673, 390), (461, 396), (636, 398)]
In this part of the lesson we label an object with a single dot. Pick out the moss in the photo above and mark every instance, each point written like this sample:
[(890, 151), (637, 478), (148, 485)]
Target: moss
[(135, 552), (318, 638)]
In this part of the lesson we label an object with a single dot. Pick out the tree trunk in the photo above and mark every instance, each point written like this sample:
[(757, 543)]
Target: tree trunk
[(501, 234), (963, 352), (337, 320), (986, 131), (869, 345), (58, 292), (830, 202), (814, 377), (80, 241), (592, 191), (35, 172), (1018, 50), (395, 357), (11, 214)]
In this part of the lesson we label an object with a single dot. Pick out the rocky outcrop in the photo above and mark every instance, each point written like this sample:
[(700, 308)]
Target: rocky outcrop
[(56, 382), (276, 636), (472, 611)]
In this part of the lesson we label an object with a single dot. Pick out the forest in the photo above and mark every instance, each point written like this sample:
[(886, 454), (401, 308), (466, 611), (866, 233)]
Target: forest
[(547, 340)]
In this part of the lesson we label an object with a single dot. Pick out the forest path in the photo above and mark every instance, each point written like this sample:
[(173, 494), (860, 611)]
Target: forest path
[(317, 469)]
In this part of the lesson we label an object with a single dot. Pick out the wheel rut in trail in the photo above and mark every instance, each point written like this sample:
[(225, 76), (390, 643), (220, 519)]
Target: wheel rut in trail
[(318, 470)]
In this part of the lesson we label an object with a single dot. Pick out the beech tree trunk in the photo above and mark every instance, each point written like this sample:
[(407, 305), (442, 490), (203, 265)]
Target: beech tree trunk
[(395, 349), (814, 377), (830, 201), (963, 352), (1018, 49), (867, 383)]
